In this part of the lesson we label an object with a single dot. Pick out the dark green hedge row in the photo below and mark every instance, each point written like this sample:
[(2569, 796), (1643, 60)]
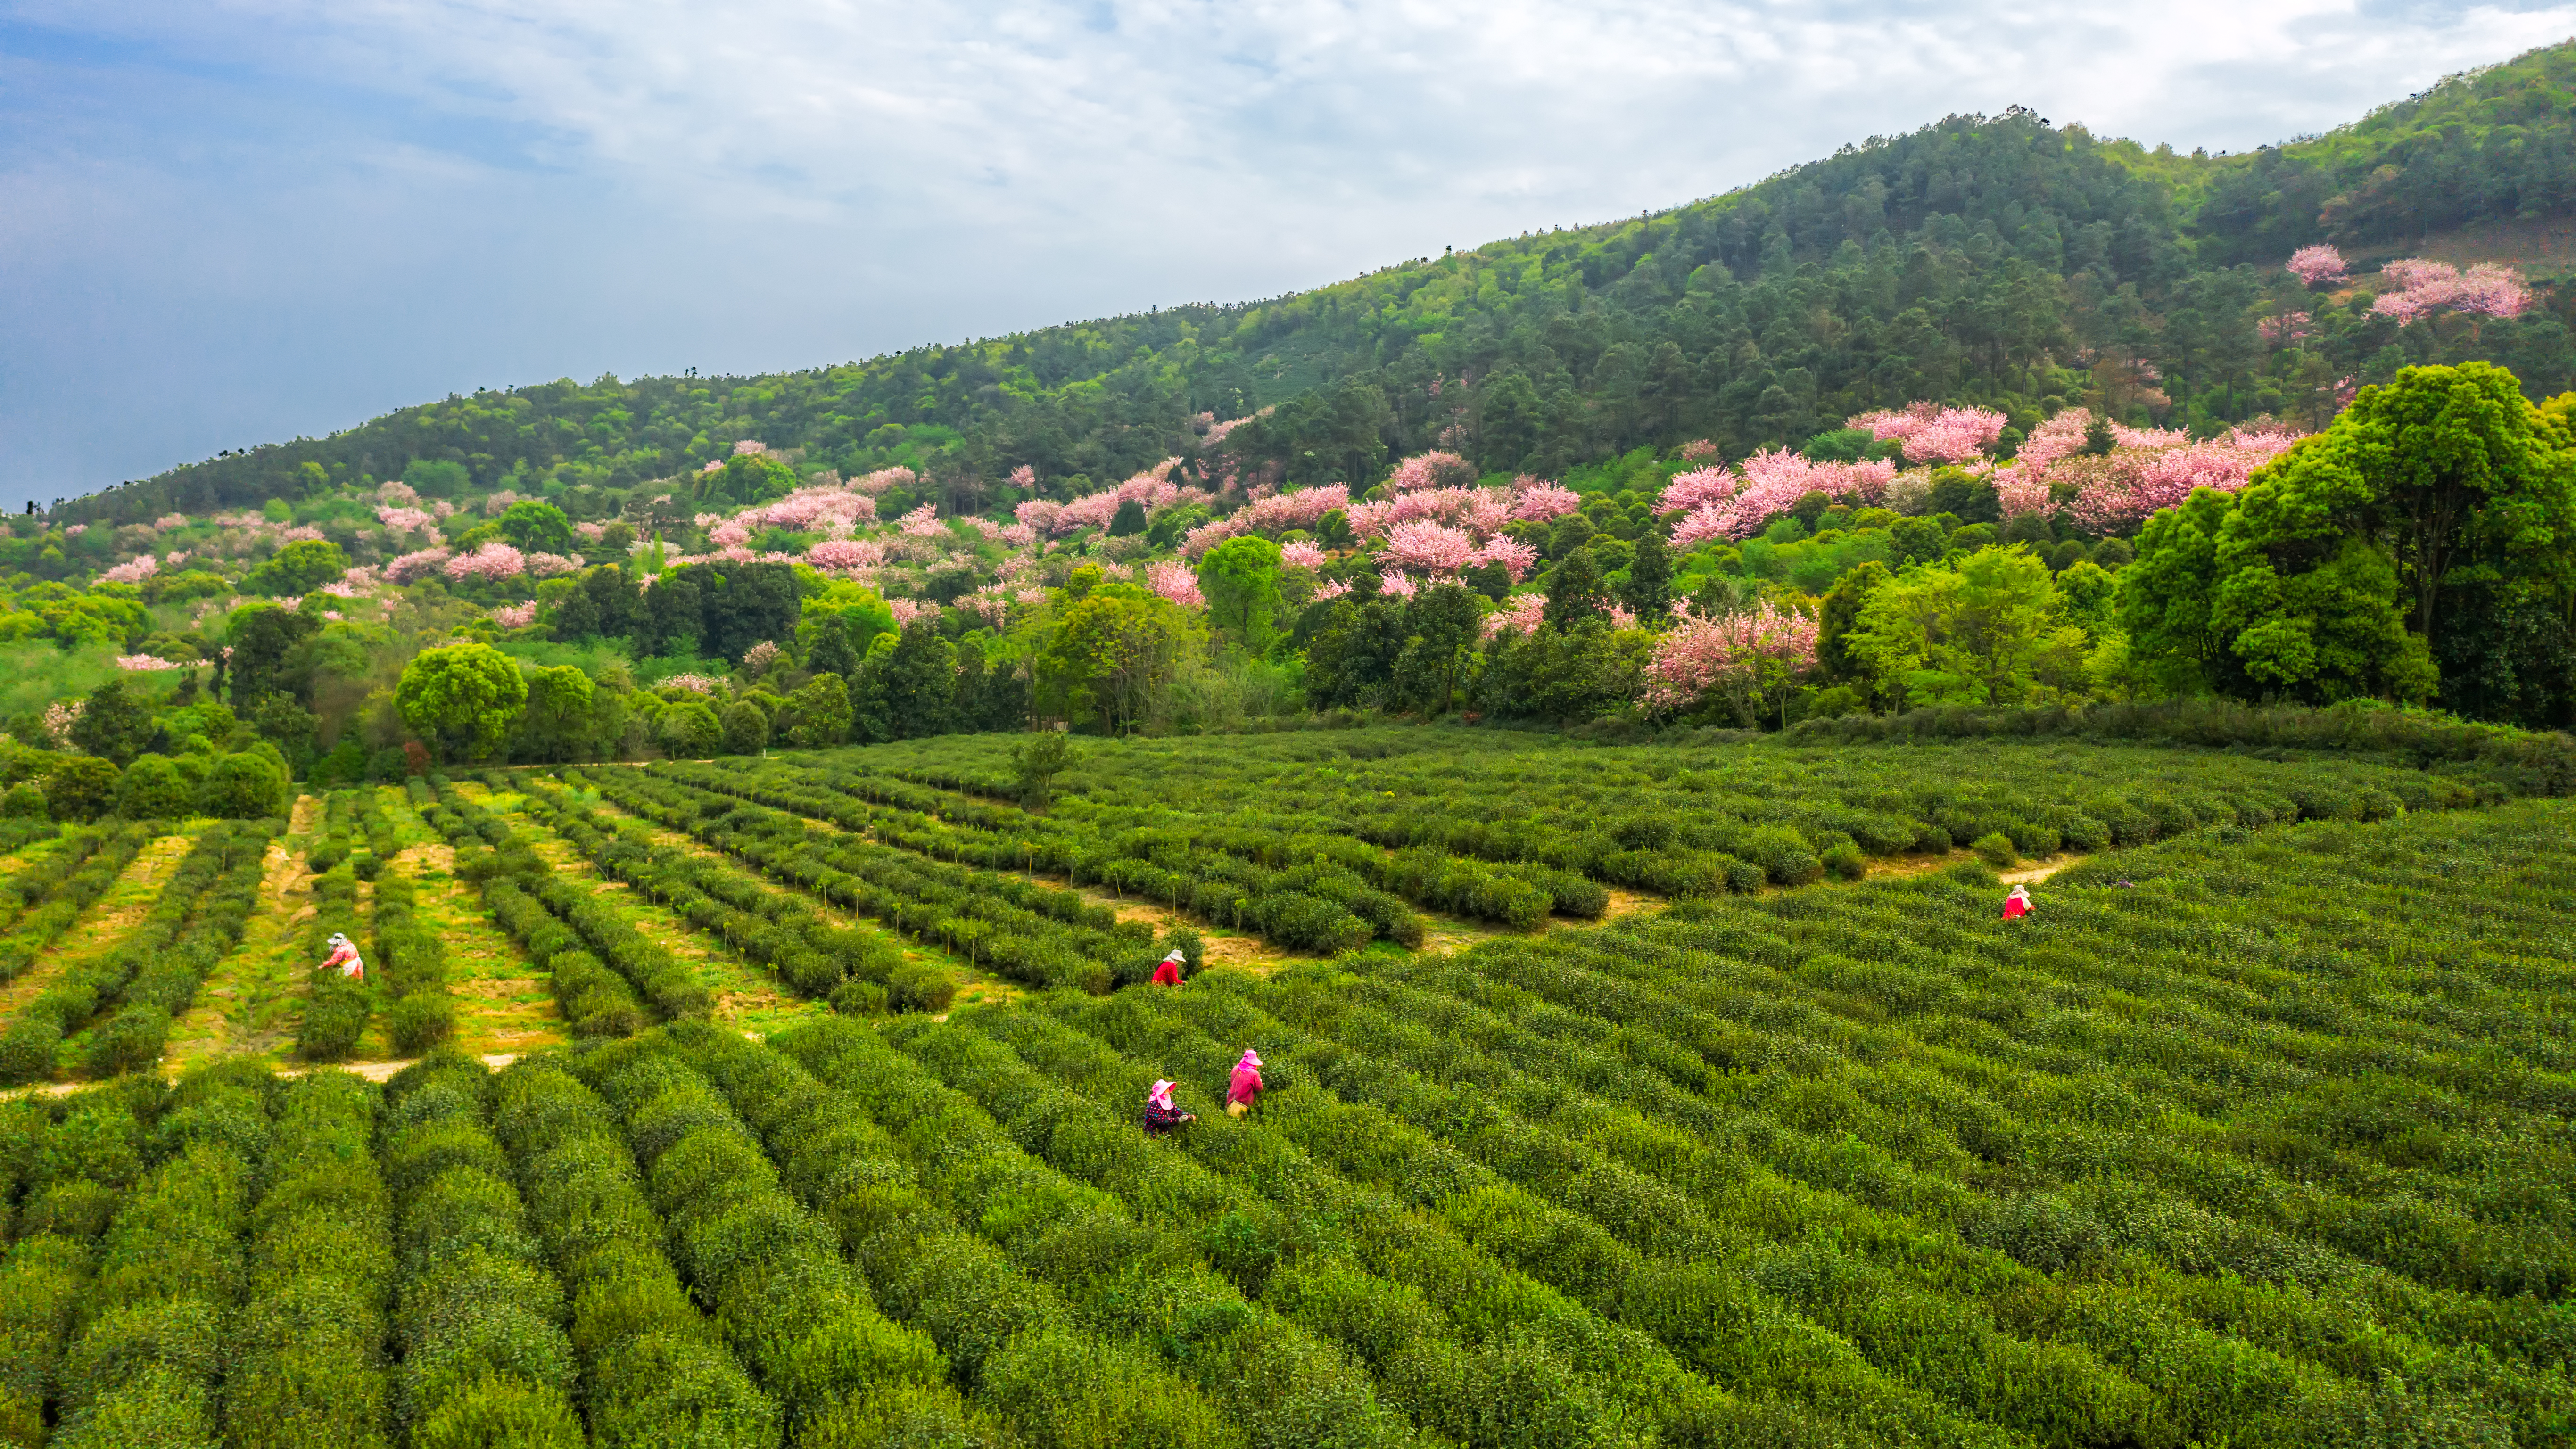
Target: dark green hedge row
[(378, 829), (66, 1164), (144, 1368), (588, 936), (809, 955), (1467, 1386), (1036, 934), (1026, 1354), (769, 1269), (336, 1007), (1279, 1384), (409, 966), (52, 892), (654, 1369), (479, 1319), (153, 976), (305, 1354), (339, 825)]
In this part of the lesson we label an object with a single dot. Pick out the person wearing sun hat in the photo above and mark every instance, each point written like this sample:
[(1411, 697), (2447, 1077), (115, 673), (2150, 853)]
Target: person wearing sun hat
[(1169, 973), (1161, 1115), (1245, 1088), (2017, 905)]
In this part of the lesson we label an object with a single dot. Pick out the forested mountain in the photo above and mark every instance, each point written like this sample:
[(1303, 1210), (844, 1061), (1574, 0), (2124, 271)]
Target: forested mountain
[(2004, 260)]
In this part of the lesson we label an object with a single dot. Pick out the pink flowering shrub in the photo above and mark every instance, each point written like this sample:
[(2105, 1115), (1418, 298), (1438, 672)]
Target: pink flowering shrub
[(2317, 264), (2287, 328), (1302, 555), (1715, 505), (1017, 535), (551, 565), (1521, 613), (168, 521), (515, 616), (133, 571), (2426, 287), (76, 530), (923, 522), (1196, 542), (406, 520), (1744, 658), (1395, 585), (1431, 470), (145, 663), (417, 565), (749, 445), (492, 563), (1431, 547), (2121, 490), (808, 510), (1305, 508), (1039, 513), (62, 714), (693, 683), (1022, 476), (1930, 434), (757, 659), (1333, 590), (397, 494), (1535, 500), (907, 610), (1699, 450), (885, 479), (1175, 582), (1516, 557), (498, 502), (301, 533), (729, 534)]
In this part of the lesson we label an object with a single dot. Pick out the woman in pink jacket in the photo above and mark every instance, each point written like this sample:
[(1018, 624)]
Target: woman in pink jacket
[(1245, 1088)]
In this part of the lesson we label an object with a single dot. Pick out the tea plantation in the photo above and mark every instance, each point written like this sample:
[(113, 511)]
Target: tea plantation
[(1618, 1095)]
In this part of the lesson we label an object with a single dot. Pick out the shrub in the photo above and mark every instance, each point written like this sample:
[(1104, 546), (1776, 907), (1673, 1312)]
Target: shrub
[(1995, 850), (1845, 861)]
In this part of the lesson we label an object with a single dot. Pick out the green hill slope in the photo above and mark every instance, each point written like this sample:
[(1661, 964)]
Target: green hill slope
[(2002, 260)]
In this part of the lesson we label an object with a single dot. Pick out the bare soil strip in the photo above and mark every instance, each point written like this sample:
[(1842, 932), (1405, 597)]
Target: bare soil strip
[(253, 1000), (101, 928)]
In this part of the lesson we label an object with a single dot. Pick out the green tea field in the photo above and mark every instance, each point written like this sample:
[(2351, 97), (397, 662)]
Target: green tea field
[(1614, 1095)]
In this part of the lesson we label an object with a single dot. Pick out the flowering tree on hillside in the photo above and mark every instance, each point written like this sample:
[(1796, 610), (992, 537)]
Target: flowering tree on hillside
[(2317, 265), (1930, 434), (1749, 660), (2426, 287)]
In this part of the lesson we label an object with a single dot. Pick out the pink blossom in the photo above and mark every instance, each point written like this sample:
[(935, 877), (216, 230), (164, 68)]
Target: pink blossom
[(134, 571), (1395, 584), (1175, 582), (1535, 500), (516, 616), (405, 520), (1370, 520), (1030, 596), (1017, 535), (1302, 555), (76, 530), (2060, 437), (757, 659), (1699, 450), (841, 555), (1333, 590), (1022, 476), (174, 558), (1516, 557), (1208, 535), (2287, 328), (907, 610), (729, 534), (168, 521), (1431, 470), (1621, 617), (493, 562), (746, 446), (886, 479), (416, 565), (2021, 491), (809, 508), (2121, 490), (1521, 613), (591, 531), (2315, 264), (2427, 287), (498, 502), (1305, 508), (356, 583), (551, 565), (1697, 489), (1038, 513), (923, 522), (1932, 434), (1432, 547), (1216, 432), (62, 714), (397, 494), (302, 533), (445, 509), (986, 527), (693, 683), (1747, 651), (145, 663)]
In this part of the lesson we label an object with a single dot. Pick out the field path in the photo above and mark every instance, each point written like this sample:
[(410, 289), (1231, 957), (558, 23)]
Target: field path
[(503, 1001), (101, 928)]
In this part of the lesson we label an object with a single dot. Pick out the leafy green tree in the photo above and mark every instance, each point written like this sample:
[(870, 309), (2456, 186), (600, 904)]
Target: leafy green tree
[(1239, 578), (537, 527), (746, 729), (1128, 521), (1648, 591), (1563, 676), (263, 637), (1351, 655), (1574, 591), (297, 569), (562, 708), (113, 724), (919, 676), (817, 716), (1035, 764), (245, 786), (1840, 615), (1114, 655), (603, 604), (688, 730), (79, 787), (288, 725), (25, 801), (153, 789), (747, 478), (463, 698), (1444, 624), (743, 604), (1983, 631)]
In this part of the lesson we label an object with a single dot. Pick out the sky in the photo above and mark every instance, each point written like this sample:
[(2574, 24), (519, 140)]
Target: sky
[(225, 222)]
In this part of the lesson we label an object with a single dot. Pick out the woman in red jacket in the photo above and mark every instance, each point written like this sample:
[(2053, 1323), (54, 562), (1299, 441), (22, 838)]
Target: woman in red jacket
[(1244, 1089), (2017, 905), (1169, 973)]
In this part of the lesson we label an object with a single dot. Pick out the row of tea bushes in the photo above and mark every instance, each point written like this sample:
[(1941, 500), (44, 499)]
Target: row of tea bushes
[(479, 1319), (812, 957), (604, 971), (134, 992), (409, 966), (1036, 934), (47, 895), (336, 1007), (653, 1372)]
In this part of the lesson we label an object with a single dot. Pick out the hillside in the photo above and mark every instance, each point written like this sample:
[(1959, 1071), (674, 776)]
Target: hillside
[(2001, 260)]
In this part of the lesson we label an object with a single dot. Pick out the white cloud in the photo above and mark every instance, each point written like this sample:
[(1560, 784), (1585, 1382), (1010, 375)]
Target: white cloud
[(444, 193)]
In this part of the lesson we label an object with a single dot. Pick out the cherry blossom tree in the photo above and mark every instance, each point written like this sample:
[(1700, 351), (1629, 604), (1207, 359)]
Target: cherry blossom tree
[(2426, 287), (1517, 558), (2317, 265), (418, 565), (1395, 585), (885, 480), (923, 522), (1521, 614), (1175, 581), (492, 562), (840, 555), (1431, 547), (1930, 434), (146, 663), (515, 616), (1302, 555), (1431, 470), (1750, 660), (1536, 500), (133, 571)]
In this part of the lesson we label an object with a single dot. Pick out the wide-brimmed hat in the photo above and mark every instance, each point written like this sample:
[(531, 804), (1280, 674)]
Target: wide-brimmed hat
[(1251, 1058), (1161, 1096), (1178, 955), (2022, 891)]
